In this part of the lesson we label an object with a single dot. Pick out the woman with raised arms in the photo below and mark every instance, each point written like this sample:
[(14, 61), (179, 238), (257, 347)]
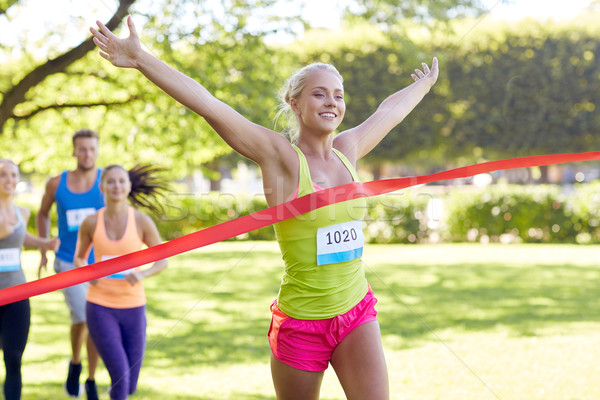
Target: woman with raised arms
[(324, 312)]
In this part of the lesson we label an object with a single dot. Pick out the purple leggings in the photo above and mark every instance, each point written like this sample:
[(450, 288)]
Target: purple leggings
[(120, 337)]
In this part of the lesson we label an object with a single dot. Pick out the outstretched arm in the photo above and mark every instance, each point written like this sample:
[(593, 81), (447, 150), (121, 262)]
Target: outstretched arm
[(359, 141), (249, 139), (42, 243)]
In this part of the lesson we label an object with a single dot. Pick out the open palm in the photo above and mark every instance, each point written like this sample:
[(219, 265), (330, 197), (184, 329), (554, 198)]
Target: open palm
[(120, 52)]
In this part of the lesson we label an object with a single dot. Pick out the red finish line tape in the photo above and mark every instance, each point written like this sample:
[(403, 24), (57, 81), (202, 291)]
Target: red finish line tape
[(268, 217)]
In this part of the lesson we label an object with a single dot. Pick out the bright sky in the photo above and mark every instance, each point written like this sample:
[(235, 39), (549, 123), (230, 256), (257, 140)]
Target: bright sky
[(540, 9), (320, 11), (77, 15)]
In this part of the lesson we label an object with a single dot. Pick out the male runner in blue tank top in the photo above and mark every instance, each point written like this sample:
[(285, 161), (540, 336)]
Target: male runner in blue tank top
[(77, 195)]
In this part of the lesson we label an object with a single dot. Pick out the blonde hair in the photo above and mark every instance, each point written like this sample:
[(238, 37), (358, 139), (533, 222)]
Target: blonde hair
[(292, 90)]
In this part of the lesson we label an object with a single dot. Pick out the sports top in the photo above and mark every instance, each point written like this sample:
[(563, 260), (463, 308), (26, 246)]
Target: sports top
[(114, 290), (72, 208), (11, 273), (321, 250)]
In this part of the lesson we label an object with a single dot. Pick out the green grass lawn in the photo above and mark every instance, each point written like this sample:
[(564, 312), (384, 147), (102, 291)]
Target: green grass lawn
[(458, 322)]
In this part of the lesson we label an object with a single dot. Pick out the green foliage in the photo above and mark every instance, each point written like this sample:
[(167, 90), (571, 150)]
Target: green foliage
[(138, 122), (523, 91), (504, 90), (389, 12), (6, 4), (499, 213), (532, 214), (397, 218), (186, 214), (585, 206), (392, 218)]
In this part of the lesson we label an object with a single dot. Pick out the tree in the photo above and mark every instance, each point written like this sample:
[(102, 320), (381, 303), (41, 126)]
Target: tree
[(6, 4), (16, 94), (43, 105), (535, 91), (387, 14)]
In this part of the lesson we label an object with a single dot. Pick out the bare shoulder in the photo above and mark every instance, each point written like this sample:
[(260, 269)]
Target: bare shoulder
[(144, 221), (280, 174), (52, 184), (344, 142), (147, 229), (89, 222)]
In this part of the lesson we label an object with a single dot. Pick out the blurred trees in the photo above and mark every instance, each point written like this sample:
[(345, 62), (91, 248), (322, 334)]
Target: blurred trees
[(530, 90), (503, 91), (48, 92)]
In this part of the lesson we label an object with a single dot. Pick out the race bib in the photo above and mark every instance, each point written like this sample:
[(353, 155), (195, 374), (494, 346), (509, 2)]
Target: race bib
[(10, 259), (118, 275), (76, 217), (340, 242)]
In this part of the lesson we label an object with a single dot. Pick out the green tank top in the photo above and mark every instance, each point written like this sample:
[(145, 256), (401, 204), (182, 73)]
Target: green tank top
[(321, 250)]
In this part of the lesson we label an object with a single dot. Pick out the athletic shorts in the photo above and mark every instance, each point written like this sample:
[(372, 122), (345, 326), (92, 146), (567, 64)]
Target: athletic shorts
[(74, 295), (309, 344)]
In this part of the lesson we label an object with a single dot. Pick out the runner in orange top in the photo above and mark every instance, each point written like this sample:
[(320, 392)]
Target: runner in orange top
[(115, 309)]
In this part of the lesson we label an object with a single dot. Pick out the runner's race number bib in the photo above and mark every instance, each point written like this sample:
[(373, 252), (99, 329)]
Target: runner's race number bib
[(340, 242), (10, 259), (76, 217), (120, 275)]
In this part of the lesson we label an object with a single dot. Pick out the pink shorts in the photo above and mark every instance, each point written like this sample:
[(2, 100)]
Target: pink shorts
[(309, 344)]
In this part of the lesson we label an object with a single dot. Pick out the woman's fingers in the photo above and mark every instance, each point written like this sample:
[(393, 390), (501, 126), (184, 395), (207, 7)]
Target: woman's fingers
[(105, 31), (425, 68), (131, 26), (100, 45)]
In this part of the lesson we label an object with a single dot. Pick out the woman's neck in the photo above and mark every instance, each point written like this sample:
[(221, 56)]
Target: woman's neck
[(6, 202), (116, 208), (315, 145)]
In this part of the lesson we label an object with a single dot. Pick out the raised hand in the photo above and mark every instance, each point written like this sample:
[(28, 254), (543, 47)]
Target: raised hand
[(120, 52), (431, 74)]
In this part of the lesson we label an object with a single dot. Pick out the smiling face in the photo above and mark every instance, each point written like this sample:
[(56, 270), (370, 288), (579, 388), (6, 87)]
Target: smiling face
[(115, 184), (9, 177), (320, 106)]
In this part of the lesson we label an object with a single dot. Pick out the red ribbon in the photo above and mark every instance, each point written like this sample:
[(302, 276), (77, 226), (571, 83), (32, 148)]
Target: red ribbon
[(268, 217)]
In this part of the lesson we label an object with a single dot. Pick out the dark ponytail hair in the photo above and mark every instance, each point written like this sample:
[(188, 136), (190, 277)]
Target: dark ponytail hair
[(148, 186)]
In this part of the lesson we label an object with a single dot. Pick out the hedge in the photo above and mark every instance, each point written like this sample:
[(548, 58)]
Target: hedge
[(507, 213), (498, 213), (530, 214)]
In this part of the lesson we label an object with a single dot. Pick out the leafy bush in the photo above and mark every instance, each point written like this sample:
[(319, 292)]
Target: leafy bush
[(499, 213), (187, 214), (585, 207), (394, 218), (515, 213)]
